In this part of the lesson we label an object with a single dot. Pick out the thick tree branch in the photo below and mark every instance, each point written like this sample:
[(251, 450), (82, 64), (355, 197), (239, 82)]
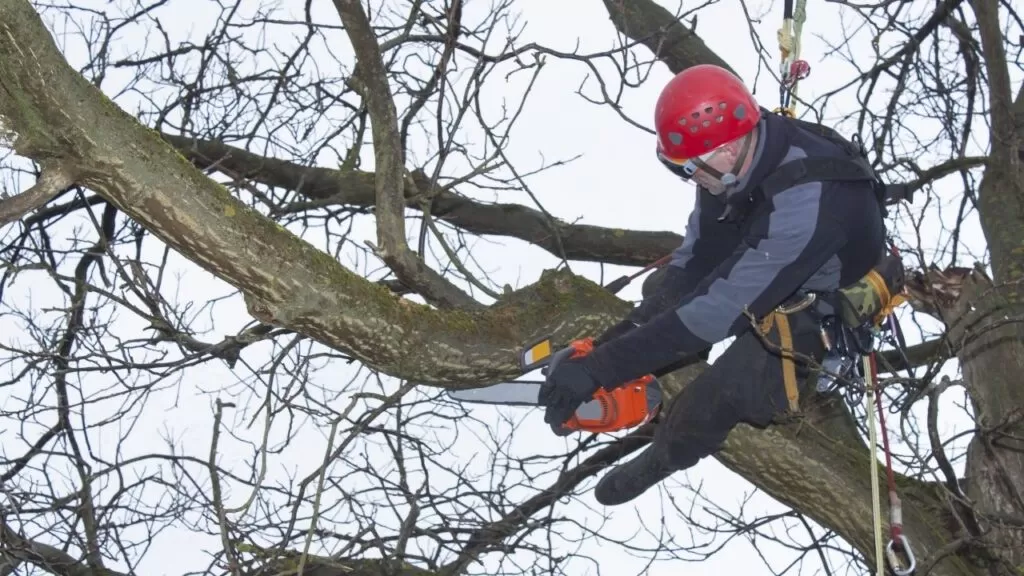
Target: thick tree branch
[(43, 556), (927, 352), (1001, 194), (988, 331), (57, 114), (662, 33)]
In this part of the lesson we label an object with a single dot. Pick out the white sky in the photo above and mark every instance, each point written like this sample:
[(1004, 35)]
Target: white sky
[(616, 182)]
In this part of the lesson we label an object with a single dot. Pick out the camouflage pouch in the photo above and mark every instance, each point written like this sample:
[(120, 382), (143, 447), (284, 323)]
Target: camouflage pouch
[(871, 297)]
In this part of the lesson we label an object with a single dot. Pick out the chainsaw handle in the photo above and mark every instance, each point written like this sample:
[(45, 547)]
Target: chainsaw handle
[(575, 349)]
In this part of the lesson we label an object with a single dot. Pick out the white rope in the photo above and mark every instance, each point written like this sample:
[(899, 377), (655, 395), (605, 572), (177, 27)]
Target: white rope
[(876, 499), (789, 48), (799, 17)]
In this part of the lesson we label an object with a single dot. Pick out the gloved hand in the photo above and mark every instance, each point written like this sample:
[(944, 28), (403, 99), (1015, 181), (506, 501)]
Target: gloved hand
[(567, 387)]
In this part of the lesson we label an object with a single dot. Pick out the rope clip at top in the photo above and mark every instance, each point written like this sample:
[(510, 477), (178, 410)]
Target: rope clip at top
[(797, 71), (791, 68)]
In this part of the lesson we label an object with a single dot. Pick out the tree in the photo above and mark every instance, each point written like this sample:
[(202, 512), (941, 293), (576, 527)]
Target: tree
[(224, 164)]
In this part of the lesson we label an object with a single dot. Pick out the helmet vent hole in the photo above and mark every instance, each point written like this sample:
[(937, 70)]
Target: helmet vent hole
[(709, 110), (722, 105), (706, 123), (719, 118), (695, 114), (682, 122), (693, 129)]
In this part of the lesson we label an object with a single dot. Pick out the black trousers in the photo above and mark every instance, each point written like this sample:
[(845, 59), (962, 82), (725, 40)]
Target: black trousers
[(745, 384)]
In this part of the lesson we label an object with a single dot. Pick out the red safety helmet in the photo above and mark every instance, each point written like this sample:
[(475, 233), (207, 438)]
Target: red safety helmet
[(700, 109)]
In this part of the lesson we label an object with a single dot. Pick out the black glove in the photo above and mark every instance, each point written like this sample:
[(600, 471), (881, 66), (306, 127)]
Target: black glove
[(567, 387)]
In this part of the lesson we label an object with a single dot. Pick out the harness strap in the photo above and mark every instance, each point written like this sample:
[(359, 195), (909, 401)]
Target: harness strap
[(814, 169), (780, 320)]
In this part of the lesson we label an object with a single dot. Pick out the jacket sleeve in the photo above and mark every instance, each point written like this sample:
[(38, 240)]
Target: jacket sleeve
[(693, 260), (783, 249)]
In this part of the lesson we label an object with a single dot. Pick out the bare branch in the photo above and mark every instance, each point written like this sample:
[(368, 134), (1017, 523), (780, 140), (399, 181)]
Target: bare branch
[(371, 83), (52, 181), (327, 187)]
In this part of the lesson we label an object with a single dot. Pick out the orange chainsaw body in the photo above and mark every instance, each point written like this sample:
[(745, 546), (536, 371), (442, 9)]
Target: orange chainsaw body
[(629, 405)]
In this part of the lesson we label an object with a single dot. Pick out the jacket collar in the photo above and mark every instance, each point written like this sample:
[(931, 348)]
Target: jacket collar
[(770, 150)]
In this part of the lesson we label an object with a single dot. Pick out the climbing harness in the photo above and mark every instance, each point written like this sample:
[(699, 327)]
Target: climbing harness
[(791, 68)]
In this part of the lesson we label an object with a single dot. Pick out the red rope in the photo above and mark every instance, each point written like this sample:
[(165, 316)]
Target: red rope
[(895, 512)]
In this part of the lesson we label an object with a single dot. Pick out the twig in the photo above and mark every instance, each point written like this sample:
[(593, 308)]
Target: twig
[(329, 456), (461, 266), (218, 504)]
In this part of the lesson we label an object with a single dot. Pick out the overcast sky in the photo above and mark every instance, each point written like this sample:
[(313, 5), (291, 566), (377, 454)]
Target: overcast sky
[(616, 181)]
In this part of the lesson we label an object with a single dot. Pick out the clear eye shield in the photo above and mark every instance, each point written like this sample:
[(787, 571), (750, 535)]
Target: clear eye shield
[(685, 168)]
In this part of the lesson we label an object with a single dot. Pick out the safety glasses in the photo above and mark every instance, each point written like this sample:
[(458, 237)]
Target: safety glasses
[(685, 168)]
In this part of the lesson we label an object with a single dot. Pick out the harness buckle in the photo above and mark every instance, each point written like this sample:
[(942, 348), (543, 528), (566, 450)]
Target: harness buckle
[(798, 306)]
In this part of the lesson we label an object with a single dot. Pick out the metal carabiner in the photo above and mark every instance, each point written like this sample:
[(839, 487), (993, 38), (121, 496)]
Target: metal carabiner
[(894, 562)]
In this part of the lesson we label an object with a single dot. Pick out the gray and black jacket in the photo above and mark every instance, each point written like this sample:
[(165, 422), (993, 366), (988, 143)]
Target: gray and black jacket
[(750, 251)]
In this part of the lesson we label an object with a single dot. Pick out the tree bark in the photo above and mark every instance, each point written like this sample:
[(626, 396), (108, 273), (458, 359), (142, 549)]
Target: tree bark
[(990, 342), (50, 183)]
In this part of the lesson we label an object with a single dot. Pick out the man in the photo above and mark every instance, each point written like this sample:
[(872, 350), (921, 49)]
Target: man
[(748, 254)]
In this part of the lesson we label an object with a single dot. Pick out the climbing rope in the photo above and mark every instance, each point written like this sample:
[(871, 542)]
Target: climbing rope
[(896, 536), (791, 68), (898, 541), (876, 501)]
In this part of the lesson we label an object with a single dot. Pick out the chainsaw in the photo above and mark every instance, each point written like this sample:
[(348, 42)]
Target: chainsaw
[(632, 404)]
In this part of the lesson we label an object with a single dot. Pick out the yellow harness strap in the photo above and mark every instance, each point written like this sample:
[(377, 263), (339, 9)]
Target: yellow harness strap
[(781, 321)]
